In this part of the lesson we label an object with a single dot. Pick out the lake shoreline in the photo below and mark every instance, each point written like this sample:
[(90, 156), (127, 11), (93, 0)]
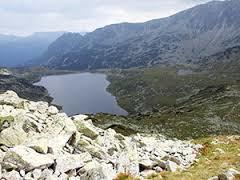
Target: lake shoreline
[(115, 108)]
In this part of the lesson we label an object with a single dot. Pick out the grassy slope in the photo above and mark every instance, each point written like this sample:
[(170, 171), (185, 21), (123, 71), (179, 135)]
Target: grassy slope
[(200, 105), (185, 106), (219, 155), (141, 90)]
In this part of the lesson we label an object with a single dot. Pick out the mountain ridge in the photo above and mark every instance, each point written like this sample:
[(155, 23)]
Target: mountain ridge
[(16, 50), (181, 38)]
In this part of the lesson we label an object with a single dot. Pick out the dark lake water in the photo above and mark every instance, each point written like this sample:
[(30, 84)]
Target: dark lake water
[(81, 93)]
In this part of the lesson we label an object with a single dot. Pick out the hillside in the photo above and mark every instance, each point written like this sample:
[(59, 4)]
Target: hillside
[(23, 86), (39, 142), (46, 144), (182, 38), (16, 50), (226, 62)]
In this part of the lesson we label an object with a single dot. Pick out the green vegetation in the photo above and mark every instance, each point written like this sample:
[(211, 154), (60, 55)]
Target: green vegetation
[(124, 176), (148, 89), (176, 102), (218, 155)]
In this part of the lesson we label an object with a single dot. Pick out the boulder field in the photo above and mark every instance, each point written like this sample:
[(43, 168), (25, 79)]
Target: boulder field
[(39, 142)]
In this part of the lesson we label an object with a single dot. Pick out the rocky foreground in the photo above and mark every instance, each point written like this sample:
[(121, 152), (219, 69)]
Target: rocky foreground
[(39, 142)]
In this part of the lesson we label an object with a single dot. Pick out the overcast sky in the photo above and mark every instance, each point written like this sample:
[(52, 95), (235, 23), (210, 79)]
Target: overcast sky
[(23, 17)]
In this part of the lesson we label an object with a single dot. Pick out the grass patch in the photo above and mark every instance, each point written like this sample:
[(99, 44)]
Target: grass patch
[(218, 155)]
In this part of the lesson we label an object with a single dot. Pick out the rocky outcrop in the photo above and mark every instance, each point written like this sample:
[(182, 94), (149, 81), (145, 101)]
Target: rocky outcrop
[(38, 142), (24, 88)]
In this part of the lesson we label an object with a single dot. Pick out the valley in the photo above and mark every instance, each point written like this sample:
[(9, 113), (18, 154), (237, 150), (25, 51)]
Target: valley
[(150, 100)]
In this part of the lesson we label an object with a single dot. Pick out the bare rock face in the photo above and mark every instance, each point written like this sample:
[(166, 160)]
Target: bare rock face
[(38, 142)]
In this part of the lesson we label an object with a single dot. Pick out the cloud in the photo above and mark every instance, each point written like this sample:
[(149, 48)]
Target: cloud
[(28, 16)]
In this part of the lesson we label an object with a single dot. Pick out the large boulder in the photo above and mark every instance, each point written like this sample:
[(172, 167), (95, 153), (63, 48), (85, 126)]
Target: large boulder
[(11, 98), (67, 162), (21, 157), (97, 171), (85, 127), (12, 175), (12, 136)]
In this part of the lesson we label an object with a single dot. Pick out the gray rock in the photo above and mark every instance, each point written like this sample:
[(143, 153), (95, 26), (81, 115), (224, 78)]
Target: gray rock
[(96, 171), (22, 173), (171, 166), (21, 157), (47, 174), (147, 163), (52, 110), (12, 136), (232, 172), (66, 162), (175, 159), (158, 169), (85, 127), (36, 173), (11, 98), (12, 175), (28, 176)]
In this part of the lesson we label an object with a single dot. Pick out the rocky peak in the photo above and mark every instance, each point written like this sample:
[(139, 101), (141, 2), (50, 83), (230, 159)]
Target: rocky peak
[(39, 142)]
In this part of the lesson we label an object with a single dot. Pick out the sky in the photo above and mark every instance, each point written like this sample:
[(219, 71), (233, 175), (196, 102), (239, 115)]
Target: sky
[(23, 17)]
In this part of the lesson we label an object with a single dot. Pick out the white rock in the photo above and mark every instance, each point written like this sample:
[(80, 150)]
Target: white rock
[(42, 107), (80, 117), (12, 136), (13, 175), (175, 159), (96, 171), (67, 162), (11, 98), (147, 163), (85, 127), (28, 176), (171, 166), (47, 174), (22, 173), (128, 161), (37, 173), (158, 169), (74, 178), (21, 157), (52, 110), (231, 173)]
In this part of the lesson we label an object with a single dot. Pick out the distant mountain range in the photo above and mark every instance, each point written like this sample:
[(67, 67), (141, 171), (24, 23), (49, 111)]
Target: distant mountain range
[(16, 50), (185, 37)]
